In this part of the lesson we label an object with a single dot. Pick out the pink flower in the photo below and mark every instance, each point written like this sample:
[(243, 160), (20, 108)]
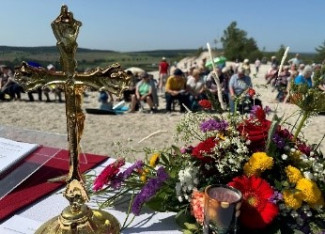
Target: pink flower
[(197, 206), (108, 173)]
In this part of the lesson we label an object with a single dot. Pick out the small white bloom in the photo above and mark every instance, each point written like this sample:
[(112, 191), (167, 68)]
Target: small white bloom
[(248, 142), (284, 157), (309, 214), (308, 175), (186, 197), (180, 198), (312, 153), (294, 214)]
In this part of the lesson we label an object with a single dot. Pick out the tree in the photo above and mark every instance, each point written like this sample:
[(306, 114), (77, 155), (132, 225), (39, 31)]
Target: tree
[(320, 53), (236, 45), (279, 54)]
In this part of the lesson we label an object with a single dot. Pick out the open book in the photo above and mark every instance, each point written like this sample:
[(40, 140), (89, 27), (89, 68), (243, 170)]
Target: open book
[(12, 152)]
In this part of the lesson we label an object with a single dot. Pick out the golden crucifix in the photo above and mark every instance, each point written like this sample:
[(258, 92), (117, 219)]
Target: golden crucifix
[(77, 217)]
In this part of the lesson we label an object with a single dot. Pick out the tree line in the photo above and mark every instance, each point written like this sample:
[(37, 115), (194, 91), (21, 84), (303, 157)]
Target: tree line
[(237, 45)]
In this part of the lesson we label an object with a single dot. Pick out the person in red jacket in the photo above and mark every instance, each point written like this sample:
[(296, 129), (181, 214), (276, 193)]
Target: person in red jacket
[(163, 74)]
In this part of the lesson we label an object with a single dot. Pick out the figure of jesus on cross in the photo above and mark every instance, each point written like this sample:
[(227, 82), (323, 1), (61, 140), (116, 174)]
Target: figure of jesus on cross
[(112, 78)]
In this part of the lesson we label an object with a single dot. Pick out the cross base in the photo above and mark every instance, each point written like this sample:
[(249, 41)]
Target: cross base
[(82, 222)]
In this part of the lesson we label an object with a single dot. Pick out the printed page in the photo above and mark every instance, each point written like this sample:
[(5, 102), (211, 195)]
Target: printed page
[(13, 151)]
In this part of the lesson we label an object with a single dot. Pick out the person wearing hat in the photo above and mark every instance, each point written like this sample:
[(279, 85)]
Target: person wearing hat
[(163, 73), (143, 93), (176, 89)]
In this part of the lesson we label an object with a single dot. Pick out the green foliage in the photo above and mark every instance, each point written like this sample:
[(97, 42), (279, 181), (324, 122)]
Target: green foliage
[(320, 53), (279, 54), (237, 45)]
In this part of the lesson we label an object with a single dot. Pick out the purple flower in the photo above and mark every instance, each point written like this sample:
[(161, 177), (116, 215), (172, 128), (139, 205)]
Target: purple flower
[(254, 109), (137, 165), (279, 141), (213, 124), (149, 190), (120, 177), (277, 196), (267, 110), (117, 181)]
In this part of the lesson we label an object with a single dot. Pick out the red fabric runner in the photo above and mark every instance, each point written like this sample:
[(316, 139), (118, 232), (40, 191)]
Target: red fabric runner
[(36, 186)]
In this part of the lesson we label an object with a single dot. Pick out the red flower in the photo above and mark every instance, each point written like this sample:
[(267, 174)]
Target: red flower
[(203, 148), (251, 92), (205, 104), (257, 209), (304, 148), (260, 114), (108, 173), (256, 129)]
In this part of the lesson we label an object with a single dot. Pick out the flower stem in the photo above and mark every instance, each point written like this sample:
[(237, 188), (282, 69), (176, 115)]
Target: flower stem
[(128, 214), (305, 116)]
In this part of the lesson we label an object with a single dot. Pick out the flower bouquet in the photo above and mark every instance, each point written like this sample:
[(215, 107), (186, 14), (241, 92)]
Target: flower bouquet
[(280, 177)]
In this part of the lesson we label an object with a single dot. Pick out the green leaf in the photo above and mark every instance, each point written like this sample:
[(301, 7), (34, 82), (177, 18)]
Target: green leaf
[(184, 219), (177, 150), (164, 158), (185, 231), (191, 226)]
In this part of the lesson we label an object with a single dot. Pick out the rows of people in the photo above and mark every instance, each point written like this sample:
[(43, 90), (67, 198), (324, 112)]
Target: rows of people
[(186, 89), (10, 90), (294, 72)]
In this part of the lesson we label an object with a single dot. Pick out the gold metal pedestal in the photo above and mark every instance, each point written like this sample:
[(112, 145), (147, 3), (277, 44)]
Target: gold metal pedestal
[(87, 221), (77, 217)]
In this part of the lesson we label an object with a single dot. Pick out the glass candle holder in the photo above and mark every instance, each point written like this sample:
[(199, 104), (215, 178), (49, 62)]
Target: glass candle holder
[(221, 209)]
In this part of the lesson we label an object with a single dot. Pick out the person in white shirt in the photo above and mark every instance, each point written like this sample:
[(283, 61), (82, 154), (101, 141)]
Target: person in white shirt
[(196, 88)]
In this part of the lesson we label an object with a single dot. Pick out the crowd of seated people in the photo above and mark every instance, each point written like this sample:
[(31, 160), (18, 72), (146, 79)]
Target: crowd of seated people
[(185, 89), (294, 72), (11, 90), (200, 83)]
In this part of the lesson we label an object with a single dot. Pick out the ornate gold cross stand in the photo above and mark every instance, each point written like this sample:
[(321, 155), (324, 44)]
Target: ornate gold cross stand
[(77, 217)]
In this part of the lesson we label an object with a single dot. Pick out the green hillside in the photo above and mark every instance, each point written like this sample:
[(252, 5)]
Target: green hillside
[(88, 58)]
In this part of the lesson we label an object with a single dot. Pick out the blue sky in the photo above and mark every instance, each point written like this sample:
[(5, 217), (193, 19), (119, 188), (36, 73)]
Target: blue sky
[(136, 25)]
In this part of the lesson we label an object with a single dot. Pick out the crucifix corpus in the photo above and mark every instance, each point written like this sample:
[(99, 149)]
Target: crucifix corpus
[(77, 217)]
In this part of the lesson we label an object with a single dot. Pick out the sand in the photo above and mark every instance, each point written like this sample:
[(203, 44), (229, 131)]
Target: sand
[(119, 135)]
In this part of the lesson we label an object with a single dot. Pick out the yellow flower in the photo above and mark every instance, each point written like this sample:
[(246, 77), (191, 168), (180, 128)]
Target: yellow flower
[(221, 136), (310, 192), (295, 155), (154, 159), (293, 174), (292, 199), (258, 163), (143, 176)]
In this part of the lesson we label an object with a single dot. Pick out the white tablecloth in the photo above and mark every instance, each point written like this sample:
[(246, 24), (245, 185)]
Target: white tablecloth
[(47, 208)]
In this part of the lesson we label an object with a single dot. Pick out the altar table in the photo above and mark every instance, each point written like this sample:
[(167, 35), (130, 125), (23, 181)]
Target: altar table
[(29, 219)]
